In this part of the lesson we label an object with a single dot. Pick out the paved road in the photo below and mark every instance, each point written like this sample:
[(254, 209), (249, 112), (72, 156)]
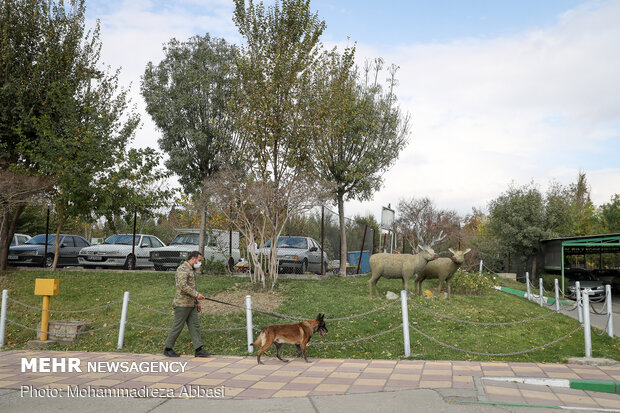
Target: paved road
[(325, 385)]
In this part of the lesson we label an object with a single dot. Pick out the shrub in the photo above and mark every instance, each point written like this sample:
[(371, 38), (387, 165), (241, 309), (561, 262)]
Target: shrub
[(471, 283)]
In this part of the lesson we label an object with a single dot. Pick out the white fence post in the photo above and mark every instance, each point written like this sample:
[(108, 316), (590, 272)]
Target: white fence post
[(540, 290), (579, 302), (403, 304), (248, 318), (557, 295), (121, 330), (480, 270), (610, 317), (5, 298), (586, 324), (527, 282)]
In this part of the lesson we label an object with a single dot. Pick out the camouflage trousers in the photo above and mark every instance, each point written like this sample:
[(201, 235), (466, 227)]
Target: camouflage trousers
[(182, 316)]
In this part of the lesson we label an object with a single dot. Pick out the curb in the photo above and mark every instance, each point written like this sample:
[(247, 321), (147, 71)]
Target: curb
[(520, 293), (602, 386)]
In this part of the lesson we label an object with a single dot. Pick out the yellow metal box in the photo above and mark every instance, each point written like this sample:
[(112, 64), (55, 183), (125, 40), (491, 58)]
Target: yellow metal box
[(46, 286)]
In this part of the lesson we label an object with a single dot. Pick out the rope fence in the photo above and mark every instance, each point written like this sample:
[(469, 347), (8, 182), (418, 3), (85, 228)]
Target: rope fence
[(406, 306)]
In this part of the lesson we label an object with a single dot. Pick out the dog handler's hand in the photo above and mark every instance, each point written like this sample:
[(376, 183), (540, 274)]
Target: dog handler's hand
[(200, 297)]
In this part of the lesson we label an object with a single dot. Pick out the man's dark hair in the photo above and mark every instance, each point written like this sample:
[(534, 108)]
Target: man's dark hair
[(194, 254)]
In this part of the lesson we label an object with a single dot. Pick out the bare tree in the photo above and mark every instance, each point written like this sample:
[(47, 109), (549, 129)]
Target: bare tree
[(421, 223), (259, 210)]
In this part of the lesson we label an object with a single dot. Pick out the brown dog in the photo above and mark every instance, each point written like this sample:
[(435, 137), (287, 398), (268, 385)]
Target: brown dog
[(298, 334)]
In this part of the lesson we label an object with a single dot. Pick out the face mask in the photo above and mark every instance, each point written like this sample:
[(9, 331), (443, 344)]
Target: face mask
[(197, 265)]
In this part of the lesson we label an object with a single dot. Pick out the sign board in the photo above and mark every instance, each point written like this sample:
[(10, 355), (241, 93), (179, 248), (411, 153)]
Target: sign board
[(45, 286), (387, 218)]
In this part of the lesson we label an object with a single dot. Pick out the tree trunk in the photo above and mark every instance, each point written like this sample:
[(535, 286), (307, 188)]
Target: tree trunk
[(533, 268), (57, 250), (8, 230), (203, 222), (343, 236)]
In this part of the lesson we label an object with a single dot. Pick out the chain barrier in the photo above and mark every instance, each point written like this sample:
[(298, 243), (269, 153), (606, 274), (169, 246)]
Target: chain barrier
[(495, 354), (150, 309), (168, 329), (65, 311), (606, 327), (36, 330), (342, 318), (357, 340), (479, 323)]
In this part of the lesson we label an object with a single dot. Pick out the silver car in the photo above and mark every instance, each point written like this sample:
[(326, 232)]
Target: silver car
[(298, 254), (116, 252)]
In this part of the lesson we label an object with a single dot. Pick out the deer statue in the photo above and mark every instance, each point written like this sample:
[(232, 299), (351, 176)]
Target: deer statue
[(403, 266), (442, 269)]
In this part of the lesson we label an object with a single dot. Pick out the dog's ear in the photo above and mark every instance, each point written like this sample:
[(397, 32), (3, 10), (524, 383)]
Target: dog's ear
[(320, 317)]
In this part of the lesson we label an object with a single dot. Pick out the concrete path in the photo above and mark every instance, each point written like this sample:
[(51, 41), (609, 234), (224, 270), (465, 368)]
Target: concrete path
[(351, 385)]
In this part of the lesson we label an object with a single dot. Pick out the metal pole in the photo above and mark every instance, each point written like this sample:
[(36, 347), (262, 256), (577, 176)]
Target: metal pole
[(480, 269), (610, 320), (133, 245), (586, 324), (579, 303), (563, 288), (557, 295), (47, 231), (372, 248), (121, 330), (403, 305), (359, 261), (527, 282), (323, 269), (5, 299), (540, 291), (248, 318)]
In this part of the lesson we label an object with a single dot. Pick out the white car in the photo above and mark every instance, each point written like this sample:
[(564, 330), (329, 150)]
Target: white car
[(116, 252), (19, 239), (215, 248)]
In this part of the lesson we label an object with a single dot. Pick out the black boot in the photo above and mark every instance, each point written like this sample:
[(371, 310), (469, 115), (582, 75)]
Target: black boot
[(201, 353), (168, 352)]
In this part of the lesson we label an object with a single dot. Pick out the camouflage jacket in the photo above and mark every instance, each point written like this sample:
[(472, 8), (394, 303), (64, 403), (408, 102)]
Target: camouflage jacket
[(186, 286)]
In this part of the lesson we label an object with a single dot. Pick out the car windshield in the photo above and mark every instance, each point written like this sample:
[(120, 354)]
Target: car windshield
[(582, 276), (185, 239), (124, 239), (290, 242), (40, 239)]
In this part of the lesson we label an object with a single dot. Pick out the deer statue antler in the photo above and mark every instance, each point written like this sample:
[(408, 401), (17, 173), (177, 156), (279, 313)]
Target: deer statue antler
[(438, 239)]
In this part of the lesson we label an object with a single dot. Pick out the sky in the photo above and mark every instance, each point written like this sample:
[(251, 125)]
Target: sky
[(499, 92)]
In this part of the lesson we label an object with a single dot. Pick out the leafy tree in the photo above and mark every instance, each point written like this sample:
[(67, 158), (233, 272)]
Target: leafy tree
[(358, 130), (69, 121), (187, 95), (517, 219), (422, 223), (610, 213), (273, 66)]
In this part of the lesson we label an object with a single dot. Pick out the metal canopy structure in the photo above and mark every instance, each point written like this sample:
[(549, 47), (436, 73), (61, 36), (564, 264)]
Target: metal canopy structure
[(590, 244)]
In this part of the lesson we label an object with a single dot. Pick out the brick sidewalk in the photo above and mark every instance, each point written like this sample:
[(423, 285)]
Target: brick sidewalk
[(244, 379)]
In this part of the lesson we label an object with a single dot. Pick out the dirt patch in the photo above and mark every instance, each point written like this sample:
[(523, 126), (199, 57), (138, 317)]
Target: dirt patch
[(261, 300)]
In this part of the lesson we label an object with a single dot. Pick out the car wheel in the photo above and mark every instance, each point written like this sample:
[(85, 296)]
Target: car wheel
[(49, 260), (158, 267), (88, 267), (325, 265), (127, 265), (304, 266)]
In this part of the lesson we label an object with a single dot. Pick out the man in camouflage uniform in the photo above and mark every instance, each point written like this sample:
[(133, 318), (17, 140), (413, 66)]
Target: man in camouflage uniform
[(186, 306)]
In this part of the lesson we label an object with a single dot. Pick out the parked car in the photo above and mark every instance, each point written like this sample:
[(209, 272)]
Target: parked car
[(33, 251), (298, 254), (216, 248), (19, 239), (116, 252), (587, 281), (606, 276)]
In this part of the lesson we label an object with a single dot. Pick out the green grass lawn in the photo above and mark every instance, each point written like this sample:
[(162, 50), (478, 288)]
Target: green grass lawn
[(336, 297)]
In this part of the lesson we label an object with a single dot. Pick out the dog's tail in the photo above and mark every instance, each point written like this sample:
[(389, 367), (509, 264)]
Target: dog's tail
[(260, 340)]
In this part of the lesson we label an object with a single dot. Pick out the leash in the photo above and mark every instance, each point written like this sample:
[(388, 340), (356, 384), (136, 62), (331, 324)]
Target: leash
[(253, 310)]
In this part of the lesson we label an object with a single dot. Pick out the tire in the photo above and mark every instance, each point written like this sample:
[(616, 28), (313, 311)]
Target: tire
[(325, 265), (49, 260), (127, 265), (304, 266), (88, 267), (158, 267)]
